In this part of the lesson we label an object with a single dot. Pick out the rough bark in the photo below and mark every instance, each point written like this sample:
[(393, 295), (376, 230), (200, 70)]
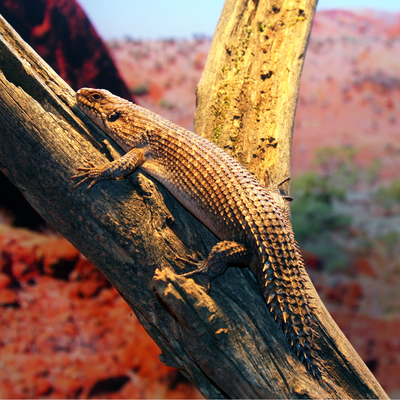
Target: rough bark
[(247, 95), (226, 341)]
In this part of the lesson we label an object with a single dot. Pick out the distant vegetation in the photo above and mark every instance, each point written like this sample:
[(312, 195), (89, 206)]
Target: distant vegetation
[(341, 211), (140, 90)]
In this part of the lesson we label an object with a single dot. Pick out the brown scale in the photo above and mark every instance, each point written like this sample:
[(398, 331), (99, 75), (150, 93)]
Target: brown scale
[(250, 219)]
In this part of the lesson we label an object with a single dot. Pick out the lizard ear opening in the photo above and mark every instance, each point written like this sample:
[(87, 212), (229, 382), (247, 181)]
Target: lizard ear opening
[(114, 116)]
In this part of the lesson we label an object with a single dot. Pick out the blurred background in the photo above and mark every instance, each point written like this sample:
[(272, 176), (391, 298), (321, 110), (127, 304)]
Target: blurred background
[(65, 332)]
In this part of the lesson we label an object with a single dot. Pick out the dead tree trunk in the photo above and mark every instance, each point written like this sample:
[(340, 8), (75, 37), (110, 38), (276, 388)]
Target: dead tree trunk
[(226, 342), (247, 95)]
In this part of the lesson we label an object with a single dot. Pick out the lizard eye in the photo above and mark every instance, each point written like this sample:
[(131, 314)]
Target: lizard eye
[(114, 116), (96, 96)]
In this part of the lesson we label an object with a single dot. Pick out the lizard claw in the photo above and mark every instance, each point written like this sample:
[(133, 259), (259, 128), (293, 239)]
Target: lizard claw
[(91, 173), (83, 181), (201, 269), (190, 260)]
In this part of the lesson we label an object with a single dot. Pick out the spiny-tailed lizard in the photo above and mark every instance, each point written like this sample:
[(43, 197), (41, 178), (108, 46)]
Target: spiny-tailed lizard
[(249, 218)]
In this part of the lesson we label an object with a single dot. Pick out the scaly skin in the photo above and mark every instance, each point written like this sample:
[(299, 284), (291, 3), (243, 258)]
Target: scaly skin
[(248, 218)]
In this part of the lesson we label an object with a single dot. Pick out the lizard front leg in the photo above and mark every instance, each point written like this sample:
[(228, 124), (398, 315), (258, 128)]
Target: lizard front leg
[(116, 169)]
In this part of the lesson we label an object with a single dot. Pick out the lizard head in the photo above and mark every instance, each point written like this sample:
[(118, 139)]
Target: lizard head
[(101, 106), (110, 113)]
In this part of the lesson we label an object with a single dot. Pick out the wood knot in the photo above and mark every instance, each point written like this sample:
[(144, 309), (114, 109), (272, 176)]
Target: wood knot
[(266, 75)]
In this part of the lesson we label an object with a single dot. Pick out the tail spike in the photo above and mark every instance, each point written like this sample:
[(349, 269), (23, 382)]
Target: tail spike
[(285, 316), (270, 297)]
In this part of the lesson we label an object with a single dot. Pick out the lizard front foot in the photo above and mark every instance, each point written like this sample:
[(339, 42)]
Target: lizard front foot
[(116, 169), (91, 173)]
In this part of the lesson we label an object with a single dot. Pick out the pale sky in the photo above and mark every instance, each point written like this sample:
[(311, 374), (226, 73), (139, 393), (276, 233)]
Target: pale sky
[(155, 19)]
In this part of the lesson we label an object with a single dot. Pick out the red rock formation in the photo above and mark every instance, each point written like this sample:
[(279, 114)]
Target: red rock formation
[(62, 35), (66, 333), (350, 89)]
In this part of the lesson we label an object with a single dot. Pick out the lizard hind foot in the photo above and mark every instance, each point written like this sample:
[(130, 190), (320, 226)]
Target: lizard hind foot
[(215, 264), (198, 262), (202, 268)]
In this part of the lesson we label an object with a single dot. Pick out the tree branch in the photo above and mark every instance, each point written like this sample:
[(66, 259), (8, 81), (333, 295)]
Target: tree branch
[(226, 342), (247, 95)]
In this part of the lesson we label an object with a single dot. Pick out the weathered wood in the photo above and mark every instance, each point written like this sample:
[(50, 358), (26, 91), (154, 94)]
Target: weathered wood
[(226, 342)]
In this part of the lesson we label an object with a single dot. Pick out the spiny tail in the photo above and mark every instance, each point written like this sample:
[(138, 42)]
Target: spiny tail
[(288, 302)]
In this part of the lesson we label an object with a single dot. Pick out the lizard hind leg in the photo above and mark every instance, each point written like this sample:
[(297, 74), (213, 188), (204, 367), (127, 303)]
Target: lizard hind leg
[(222, 254)]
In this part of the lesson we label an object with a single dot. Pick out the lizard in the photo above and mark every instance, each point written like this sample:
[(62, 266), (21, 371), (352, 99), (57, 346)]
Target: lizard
[(249, 218)]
